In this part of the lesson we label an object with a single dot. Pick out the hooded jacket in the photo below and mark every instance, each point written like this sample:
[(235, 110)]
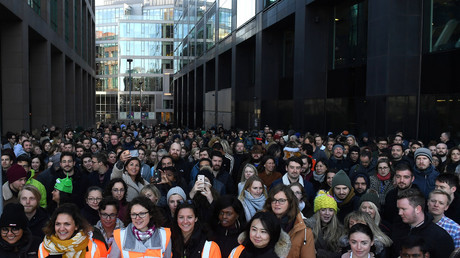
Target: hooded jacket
[(425, 179), (302, 242)]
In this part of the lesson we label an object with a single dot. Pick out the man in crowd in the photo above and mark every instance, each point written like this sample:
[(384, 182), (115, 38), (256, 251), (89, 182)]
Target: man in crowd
[(411, 205), (7, 162), (220, 174), (445, 138), (101, 171), (425, 173), (397, 155), (30, 197), (448, 183), (366, 165), (344, 194), (337, 159), (17, 177), (414, 246), (438, 203), (360, 184)]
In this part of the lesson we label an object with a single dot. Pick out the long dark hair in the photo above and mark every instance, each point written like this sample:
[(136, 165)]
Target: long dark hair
[(293, 208), (112, 182), (138, 179), (180, 248), (270, 223)]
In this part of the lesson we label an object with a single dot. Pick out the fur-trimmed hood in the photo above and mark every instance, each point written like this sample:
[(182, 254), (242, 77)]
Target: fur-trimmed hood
[(282, 247)]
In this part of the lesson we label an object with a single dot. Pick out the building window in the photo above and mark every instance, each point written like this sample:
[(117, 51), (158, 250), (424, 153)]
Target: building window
[(350, 34), (35, 5), (444, 32), (53, 14)]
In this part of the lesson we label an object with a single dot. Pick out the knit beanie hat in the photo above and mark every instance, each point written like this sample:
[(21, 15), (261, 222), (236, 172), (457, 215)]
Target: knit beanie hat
[(341, 178), (176, 190), (15, 172), (14, 216), (370, 197), (425, 152), (338, 145), (324, 201), (64, 185)]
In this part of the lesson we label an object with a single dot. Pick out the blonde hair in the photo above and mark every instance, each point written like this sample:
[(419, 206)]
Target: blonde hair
[(243, 179), (362, 216), (34, 190), (331, 233), (248, 184), (377, 218)]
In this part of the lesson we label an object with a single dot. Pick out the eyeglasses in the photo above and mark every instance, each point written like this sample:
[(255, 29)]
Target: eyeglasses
[(118, 190), (108, 216), (140, 214), (94, 199), (14, 230), (280, 201)]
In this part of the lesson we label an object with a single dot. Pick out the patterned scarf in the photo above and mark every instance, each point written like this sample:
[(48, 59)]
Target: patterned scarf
[(70, 248), (142, 236)]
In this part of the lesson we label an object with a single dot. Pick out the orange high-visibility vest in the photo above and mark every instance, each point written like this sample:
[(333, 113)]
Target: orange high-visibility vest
[(211, 250), (92, 252), (119, 234), (236, 252)]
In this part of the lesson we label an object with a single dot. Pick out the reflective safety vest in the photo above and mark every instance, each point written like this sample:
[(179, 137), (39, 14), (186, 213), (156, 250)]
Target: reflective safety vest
[(236, 252), (91, 252), (211, 250), (120, 234)]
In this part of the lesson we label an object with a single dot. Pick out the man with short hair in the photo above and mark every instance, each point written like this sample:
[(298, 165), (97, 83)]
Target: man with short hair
[(360, 184), (101, 171), (318, 153), (445, 138), (448, 183), (68, 135), (67, 168), (414, 246), (145, 169), (344, 194), (220, 174), (411, 205), (17, 177), (337, 159), (114, 142), (26, 163), (68, 147), (366, 165), (239, 155), (382, 145), (424, 171), (86, 163), (397, 155), (7, 162), (438, 203), (179, 163), (24, 148), (11, 137), (403, 179), (87, 144)]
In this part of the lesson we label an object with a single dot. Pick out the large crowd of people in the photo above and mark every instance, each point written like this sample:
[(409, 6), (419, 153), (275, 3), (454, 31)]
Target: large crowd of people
[(130, 190)]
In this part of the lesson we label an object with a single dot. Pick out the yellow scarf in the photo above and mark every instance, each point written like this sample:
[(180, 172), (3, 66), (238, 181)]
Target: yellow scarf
[(70, 248)]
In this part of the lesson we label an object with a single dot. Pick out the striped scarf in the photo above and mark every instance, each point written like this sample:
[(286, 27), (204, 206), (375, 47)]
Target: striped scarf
[(142, 236), (70, 248)]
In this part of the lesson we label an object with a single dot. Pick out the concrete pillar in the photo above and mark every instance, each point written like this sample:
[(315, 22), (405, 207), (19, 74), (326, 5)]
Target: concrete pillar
[(40, 83), (78, 94), (15, 76), (58, 90), (72, 108), (85, 94)]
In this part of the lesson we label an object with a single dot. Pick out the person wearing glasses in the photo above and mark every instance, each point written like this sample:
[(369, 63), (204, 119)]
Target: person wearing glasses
[(117, 189), (382, 182), (68, 234), (16, 240), (143, 237), (109, 221), (283, 203), (190, 238), (93, 197)]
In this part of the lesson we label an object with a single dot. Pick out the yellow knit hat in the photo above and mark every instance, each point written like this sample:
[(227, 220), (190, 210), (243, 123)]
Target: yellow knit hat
[(324, 200)]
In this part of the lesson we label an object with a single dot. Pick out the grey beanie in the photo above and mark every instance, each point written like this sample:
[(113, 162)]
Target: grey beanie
[(341, 178), (176, 190), (424, 152), (337, 145)]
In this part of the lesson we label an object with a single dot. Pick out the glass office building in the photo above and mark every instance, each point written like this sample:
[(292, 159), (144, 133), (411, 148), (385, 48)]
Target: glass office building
[(141, 32), (369, 67)]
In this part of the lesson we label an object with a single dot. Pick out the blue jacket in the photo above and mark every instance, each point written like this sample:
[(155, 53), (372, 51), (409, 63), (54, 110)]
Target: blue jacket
[(425, 180)]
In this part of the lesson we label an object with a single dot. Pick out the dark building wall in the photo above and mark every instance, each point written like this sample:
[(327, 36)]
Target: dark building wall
[(284, 72), (41, 69)]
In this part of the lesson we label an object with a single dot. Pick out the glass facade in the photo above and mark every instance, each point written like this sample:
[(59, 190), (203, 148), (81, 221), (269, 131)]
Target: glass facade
[(143, 32), (444, 28)]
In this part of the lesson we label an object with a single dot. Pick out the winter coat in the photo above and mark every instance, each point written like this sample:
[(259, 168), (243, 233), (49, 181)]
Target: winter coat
[(134, 189), (425, 180), (382, 188), (302, 242), (26, 247)]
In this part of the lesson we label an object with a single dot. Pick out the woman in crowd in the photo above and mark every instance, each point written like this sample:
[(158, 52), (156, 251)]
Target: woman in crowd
[(130, 174), (16, 240), (253, 196), (319, 175), (382, 182), (267, 171), (262, 238), (60, 194), (109, 221), (93, 197), (351, 141), (248, 171), (150, 191), (228, 222), (326, 227), (381, 241), (203, 194), (283, 203), (327, 183), (68, 234), (38, 165), (190, 240), (370, 204), (453, 161), (152, 159), (117, 189), (361, 240), (304, 205), (144, 236), (175, 196)]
